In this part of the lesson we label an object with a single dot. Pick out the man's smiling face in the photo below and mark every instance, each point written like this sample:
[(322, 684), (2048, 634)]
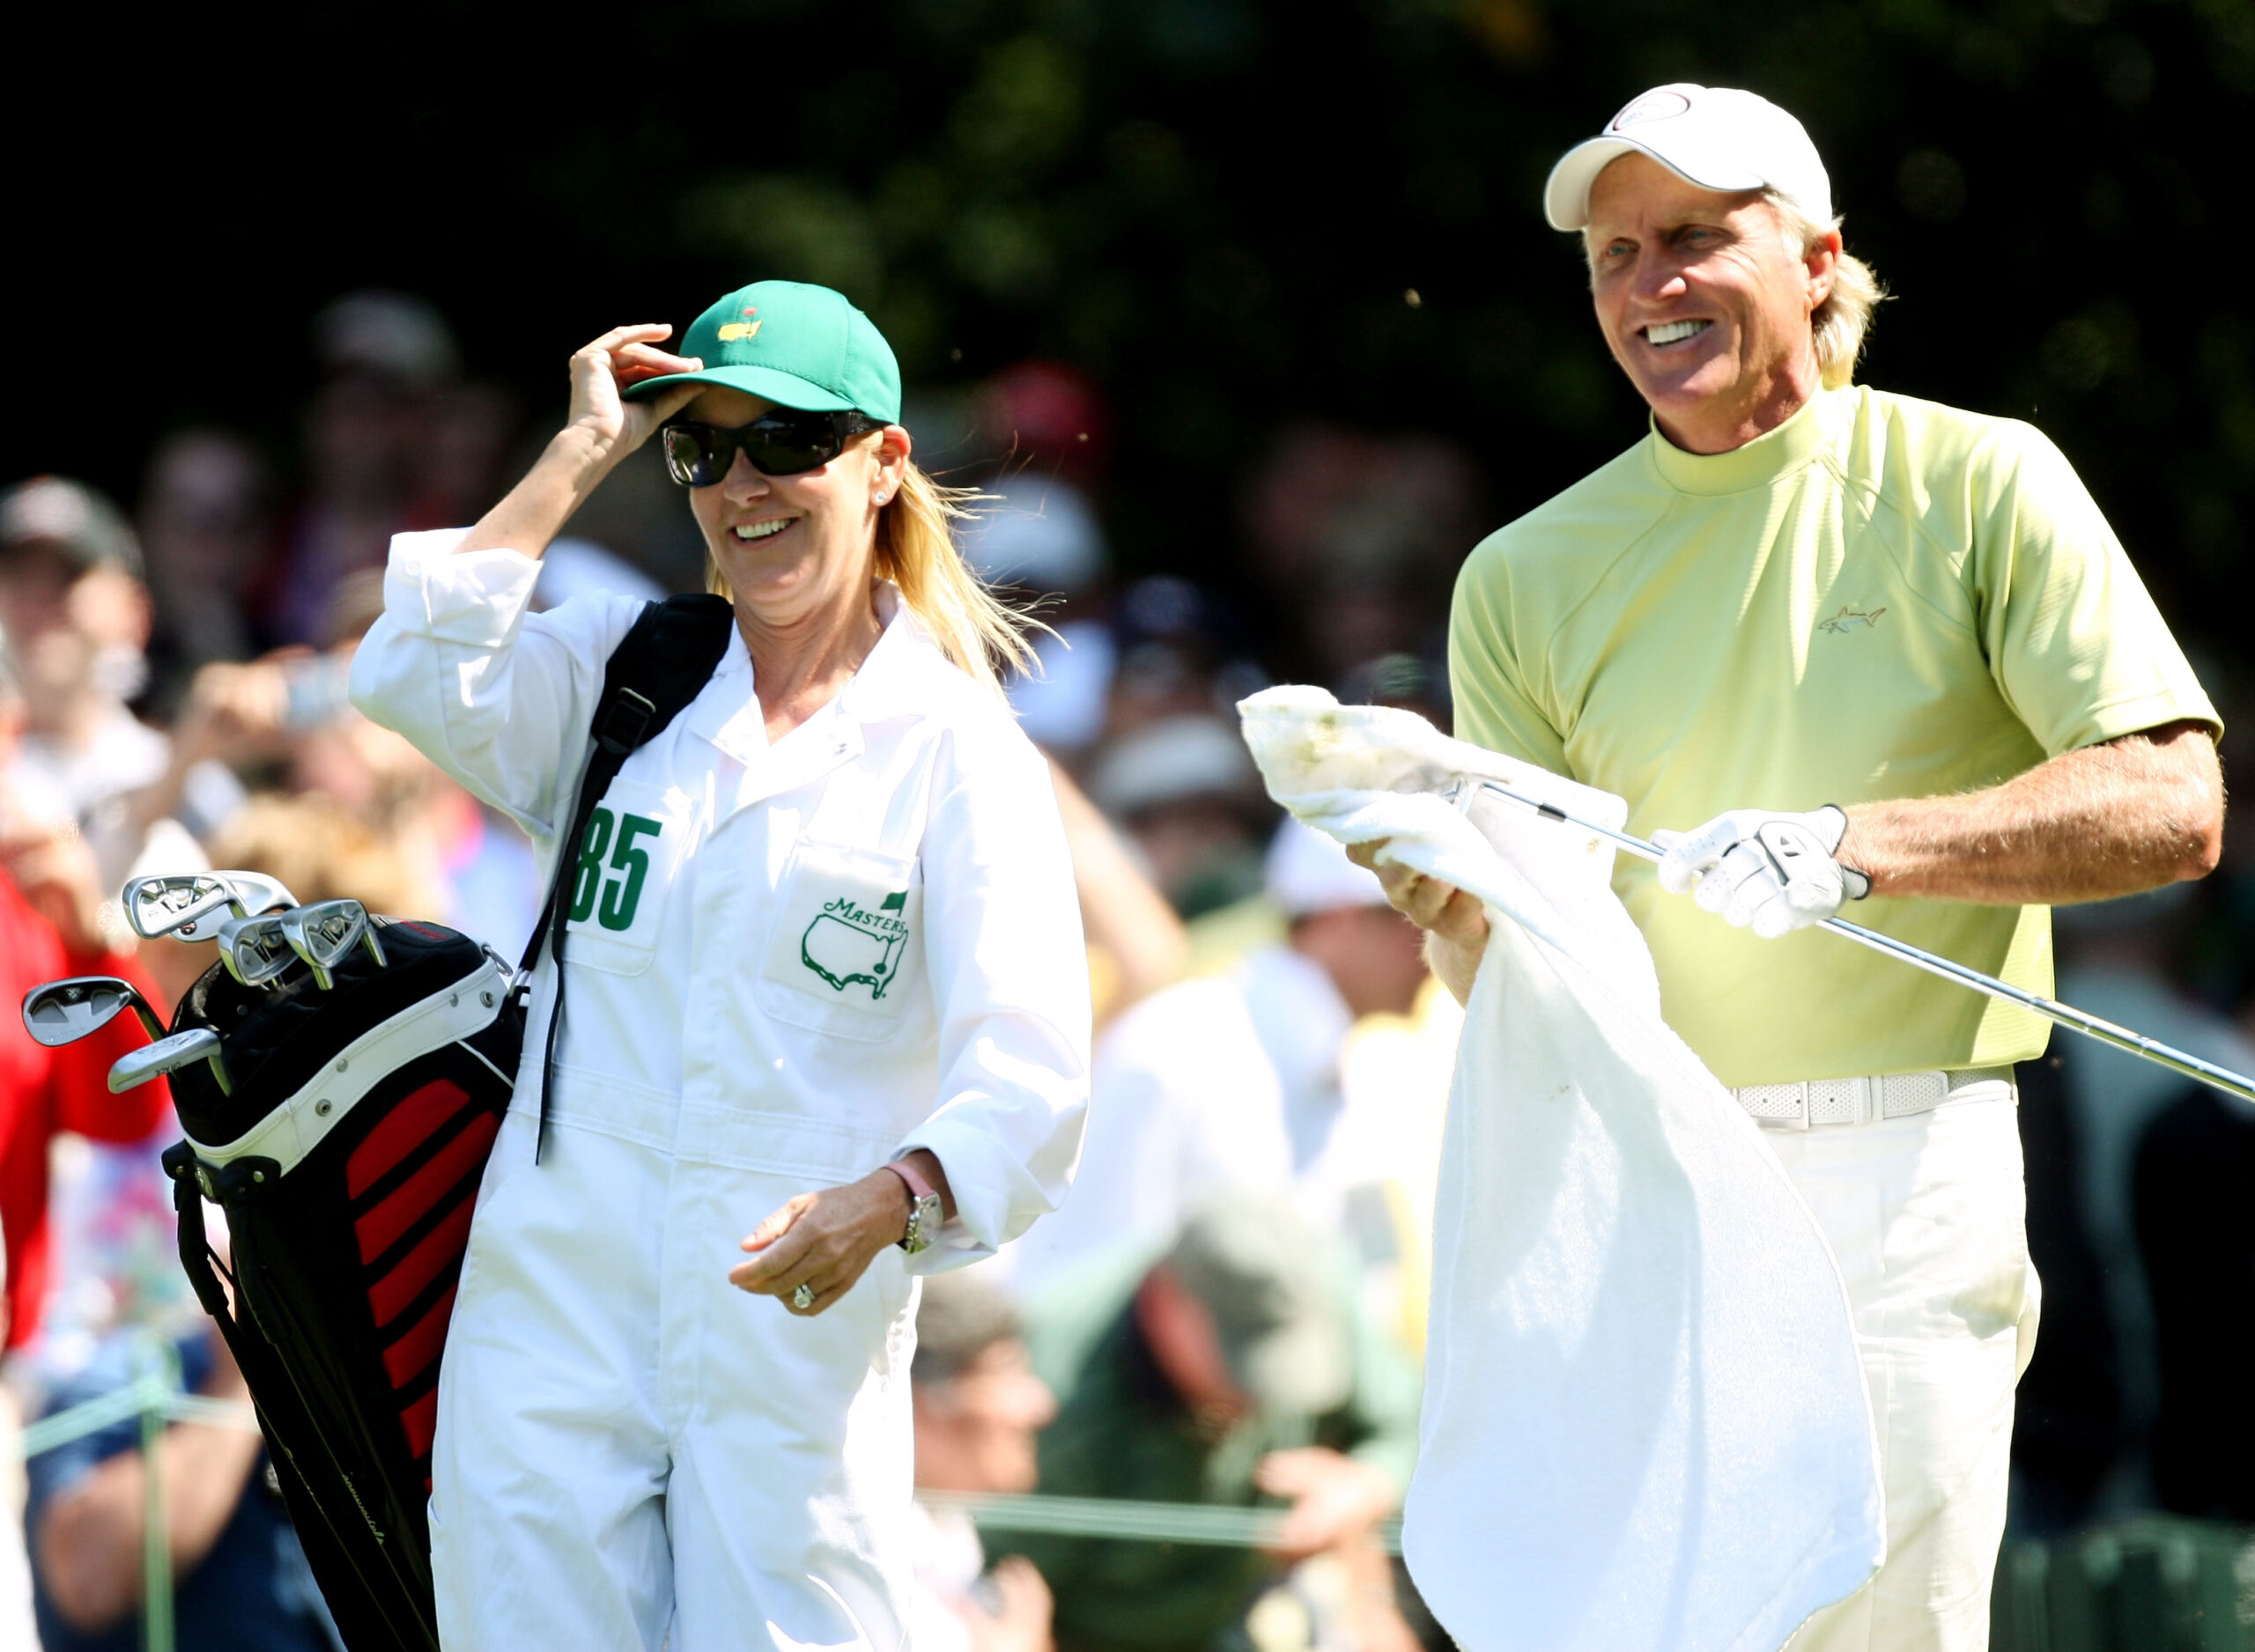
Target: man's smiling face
[(1705, 302)]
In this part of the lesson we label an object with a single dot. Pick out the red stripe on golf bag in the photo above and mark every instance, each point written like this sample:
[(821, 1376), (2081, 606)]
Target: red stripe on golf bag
[(380, 1227), (418, 1346), (441, 1111), (409, 1124), (389, 1294)]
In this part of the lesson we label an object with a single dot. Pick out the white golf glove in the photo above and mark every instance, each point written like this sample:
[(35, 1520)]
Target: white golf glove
[(1764, 869)]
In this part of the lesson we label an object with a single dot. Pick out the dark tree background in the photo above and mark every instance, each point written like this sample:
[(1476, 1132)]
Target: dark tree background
[(1227, 212)]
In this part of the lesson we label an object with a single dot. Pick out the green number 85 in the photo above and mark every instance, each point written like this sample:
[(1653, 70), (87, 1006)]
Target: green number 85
[(620, 895)]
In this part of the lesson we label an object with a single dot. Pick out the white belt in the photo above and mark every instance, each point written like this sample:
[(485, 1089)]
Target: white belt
[(1861, 1101)]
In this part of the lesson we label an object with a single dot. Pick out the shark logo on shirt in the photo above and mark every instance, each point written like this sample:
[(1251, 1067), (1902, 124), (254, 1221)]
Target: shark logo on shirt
[(848, 942), (1850, 619)]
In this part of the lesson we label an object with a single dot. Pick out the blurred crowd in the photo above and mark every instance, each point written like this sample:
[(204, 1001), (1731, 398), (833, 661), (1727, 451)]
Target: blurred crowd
[(1229, 1310)]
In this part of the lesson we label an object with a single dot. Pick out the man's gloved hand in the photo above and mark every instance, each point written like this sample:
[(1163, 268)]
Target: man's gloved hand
[(1764, 868)]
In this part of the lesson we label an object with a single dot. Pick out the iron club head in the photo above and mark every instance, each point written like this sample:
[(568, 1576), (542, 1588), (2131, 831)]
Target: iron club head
[(169, 1055), (63, 1012), (254, 948), (325, 932), (191, 905)]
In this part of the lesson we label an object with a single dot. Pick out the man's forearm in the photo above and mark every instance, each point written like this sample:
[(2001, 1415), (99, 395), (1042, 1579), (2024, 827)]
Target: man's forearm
[(91, 1539), (2109, 820)]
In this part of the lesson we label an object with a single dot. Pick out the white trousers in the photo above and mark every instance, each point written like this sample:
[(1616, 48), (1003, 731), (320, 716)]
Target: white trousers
[(631, 1453), (1926, 1216)]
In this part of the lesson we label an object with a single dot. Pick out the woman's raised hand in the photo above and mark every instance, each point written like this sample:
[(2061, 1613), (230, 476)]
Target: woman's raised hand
[(604, 428), (604, 370)]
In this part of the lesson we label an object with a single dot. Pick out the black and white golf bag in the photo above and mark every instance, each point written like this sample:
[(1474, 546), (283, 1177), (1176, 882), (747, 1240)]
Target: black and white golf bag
[(347, 1160)]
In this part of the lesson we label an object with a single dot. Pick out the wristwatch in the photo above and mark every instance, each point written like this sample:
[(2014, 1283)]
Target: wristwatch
[(924, 1213)]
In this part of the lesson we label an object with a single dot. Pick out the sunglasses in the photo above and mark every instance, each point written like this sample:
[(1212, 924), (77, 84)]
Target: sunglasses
[(780, 442)]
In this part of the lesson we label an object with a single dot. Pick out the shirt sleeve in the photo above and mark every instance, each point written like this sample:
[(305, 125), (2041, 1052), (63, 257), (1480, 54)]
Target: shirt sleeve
[(1010, 983), (2074, 640), (499, 698), (1494, 706)]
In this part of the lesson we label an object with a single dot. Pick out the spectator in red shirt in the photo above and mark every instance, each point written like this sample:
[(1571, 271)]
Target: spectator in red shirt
[(50, 926)]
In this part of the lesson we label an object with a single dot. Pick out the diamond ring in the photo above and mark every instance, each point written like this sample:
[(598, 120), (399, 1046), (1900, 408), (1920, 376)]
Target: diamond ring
[(802, 1298)]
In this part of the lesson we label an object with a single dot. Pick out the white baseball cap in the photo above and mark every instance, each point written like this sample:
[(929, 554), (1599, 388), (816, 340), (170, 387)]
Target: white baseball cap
[(1713, 137), (1307, 872)]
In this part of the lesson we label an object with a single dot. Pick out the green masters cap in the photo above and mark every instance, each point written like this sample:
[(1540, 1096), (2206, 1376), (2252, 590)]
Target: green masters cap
[(799, 346)]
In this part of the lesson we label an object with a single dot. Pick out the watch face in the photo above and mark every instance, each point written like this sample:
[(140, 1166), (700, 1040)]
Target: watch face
[(924, 1219)]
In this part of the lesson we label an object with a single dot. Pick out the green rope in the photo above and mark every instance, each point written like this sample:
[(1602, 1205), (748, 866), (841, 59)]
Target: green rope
[(1214, 1524)]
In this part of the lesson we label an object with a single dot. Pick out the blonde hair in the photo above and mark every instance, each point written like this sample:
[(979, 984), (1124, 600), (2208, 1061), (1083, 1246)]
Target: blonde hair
[(1841, 322), (979, 633)]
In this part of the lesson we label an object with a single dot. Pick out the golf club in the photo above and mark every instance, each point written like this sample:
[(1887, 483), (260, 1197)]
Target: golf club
[(168, 1055), (63, 1012), (325, 932), (2063, 1014), (253, 949), (185, 904)]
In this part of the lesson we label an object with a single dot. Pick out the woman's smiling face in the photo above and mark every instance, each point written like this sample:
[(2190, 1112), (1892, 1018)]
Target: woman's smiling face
[(793, 547)]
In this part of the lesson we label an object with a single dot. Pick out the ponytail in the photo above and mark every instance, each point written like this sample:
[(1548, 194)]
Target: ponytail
[(980, 633)]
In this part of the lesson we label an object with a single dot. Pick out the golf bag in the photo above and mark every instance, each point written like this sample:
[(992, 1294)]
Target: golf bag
[(347, 1162), (347, 1154)]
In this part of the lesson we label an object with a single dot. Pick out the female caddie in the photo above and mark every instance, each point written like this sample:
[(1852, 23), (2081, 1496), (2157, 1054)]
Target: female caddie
[(834, 974)]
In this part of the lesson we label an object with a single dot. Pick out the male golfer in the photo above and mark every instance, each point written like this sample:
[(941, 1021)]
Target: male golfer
[(1888, 651)]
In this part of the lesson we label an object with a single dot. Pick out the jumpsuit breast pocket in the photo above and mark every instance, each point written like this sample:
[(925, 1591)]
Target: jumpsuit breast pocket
[(845, 952), (616, 887)]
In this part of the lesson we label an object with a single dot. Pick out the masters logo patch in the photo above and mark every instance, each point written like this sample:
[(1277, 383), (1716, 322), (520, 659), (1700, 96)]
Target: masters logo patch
[(848, 943)]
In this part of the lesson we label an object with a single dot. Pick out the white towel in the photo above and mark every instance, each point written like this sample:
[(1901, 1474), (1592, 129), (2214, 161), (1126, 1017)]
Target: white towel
[(1644, 1423)]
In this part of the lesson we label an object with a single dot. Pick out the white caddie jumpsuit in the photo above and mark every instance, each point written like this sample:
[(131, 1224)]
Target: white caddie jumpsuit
[(789, 964)]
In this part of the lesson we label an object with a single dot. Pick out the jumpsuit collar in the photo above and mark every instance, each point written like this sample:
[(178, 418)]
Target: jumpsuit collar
[(893, 681)]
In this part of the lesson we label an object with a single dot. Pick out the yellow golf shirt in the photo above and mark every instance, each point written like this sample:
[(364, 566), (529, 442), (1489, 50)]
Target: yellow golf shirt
[(1882, 598)]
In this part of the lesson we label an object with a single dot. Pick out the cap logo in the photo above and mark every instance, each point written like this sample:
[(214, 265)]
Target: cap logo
[(734, 331), (1652, 106)]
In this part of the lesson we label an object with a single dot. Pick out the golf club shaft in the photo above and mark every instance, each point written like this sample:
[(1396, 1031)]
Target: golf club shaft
[(2063, 1014)]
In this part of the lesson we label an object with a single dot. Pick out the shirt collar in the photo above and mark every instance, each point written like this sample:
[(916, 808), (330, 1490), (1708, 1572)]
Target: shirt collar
[(1766, 459), (896, 679), (730, 717)]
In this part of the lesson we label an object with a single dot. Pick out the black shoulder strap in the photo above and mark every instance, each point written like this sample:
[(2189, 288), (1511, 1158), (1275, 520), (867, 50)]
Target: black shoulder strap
[(656, 670)]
